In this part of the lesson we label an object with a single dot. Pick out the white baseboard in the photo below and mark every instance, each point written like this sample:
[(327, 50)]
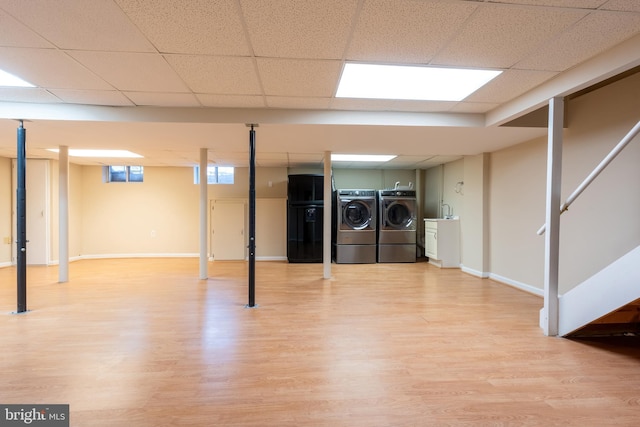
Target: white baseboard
[(140, 255), (519, 285), (481, 274), (5, 264)]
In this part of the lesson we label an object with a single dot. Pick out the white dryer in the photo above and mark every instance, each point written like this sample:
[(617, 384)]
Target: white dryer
[(397, 226), (355, 227)]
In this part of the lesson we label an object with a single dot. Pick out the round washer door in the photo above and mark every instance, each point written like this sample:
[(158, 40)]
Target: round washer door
[(399, 215), (356, 214)]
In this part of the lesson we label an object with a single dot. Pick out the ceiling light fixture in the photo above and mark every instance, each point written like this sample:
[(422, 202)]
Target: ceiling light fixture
[(411, 82), (361, 157), (74, 152), (9, 80)]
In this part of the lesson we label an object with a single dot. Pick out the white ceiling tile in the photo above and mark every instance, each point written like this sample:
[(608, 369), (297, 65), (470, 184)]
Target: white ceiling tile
[(437, 160), (272, 159), (299, 28), (286, 77), (499, 36), (217, 75), (229, 158), (592, 35), (306, 157), (405, 31), (15, 34), (301, 103), (98, 24), (271, 156), (49, 68), (27, 94), (92, 97), (164, 99), (581, 4), (622, 5), (212, 27), (231, 101), (140, 72), (261, 163), (407, 161), (508, 85)]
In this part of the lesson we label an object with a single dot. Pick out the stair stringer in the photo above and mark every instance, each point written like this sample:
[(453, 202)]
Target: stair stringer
[(609, 289)]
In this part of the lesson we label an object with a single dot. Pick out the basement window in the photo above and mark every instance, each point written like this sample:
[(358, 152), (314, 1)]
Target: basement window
[(123, 174), (215, 174)]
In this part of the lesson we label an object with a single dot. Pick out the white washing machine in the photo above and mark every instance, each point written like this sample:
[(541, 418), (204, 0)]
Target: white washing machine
[(397, 225), (355, 227)]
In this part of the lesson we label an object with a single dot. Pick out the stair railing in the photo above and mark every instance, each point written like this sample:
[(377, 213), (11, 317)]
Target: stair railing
[(592, 176)]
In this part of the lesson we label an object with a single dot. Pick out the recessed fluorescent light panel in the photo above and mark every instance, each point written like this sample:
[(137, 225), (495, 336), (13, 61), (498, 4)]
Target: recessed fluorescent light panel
[(9, 80), (411, 82), (361, 157), (73, 152)]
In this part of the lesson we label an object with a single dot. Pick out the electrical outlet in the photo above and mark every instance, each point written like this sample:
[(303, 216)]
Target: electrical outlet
[(153, 233)]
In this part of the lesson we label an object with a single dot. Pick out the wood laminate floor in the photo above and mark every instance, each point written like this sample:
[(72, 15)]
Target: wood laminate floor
[(134, 342)]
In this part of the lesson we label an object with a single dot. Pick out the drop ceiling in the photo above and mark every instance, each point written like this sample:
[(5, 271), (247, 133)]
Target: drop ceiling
[(166, 78)]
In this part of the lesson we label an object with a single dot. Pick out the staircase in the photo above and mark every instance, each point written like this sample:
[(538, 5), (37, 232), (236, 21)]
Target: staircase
[(608, 303)]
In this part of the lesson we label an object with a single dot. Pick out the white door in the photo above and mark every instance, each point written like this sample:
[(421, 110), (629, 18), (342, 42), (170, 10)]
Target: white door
[(37, 215), (227, 230)]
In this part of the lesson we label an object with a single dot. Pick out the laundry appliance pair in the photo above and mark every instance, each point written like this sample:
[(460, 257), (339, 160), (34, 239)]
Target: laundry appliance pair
[(372, 226)]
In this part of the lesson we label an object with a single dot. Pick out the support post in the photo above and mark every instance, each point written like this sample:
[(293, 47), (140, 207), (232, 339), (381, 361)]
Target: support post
[(326, 219), (252, 217), (63, 214), (552, 237), (204, 200), (21, 221)]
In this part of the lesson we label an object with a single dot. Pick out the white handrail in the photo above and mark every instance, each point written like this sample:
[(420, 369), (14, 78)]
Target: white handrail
[(603, 164)]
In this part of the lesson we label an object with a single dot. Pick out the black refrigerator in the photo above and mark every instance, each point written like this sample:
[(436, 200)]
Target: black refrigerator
[(304, 217)]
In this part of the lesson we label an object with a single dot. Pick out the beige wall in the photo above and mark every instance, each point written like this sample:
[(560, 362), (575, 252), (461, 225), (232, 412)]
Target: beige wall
[(5, 211), (75, 210), (157, 216), (474, 226), (453, 173), (433, 191), (602, 225), (160, 215)]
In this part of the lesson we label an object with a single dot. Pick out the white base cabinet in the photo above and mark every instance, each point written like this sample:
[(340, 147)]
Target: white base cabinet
[(442, 242)]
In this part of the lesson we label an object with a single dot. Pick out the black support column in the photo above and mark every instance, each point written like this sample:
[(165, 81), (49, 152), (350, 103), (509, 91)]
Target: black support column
[(252, 216), (21, 241)]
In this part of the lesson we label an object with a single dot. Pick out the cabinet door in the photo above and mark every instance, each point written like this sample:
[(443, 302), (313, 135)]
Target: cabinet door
[(431, 243)]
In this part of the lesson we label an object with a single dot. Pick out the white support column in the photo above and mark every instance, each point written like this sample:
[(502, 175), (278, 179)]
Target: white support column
[(550, 313), (63, 214), (204, 208), (326, 228)]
